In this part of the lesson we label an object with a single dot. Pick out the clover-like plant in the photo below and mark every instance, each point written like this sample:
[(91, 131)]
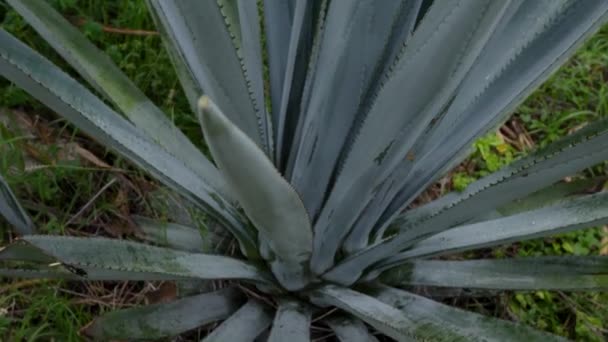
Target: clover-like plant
[(368, 103)]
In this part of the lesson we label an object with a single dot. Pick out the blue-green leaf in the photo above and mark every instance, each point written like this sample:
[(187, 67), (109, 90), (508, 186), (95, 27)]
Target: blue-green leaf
[(166, 319), (378, 148), (307, 27), (581, 212), (291, 323), (175, 235), (244, 325), (99, 70), (269, 200), (209, 43), (385, 318), (12, 211), (350, 50), (133, 257), (534, 40), (433, 321), (57, 90), (544, 167), (534, 273), (350, 329)]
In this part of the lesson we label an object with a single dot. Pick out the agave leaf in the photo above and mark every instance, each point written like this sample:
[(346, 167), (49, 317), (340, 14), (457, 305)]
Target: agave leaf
[(132, 257), (351, 47), (527, 28), (244, 325), (186, 76), (378, 148), (61, 93), (231, 16), (41, 265), (546, 196), (538, 273), (167, 319), (99, 70), (544, 167), (453, 26), (40, 272), (291, 323), (207, 41), (81, 273), (242, 21), (406, 144), (538, 37), (251, 49), (383, 317), (582, 212), (401, 32), (395, 46), (12, 211), (278, 21), (269, 200), (433, 321), (350, 330), (24, 252), (175, 235), (302, 51), (310, 48)]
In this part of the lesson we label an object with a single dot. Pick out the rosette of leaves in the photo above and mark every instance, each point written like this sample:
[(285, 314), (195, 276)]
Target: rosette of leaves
[(367, 104)]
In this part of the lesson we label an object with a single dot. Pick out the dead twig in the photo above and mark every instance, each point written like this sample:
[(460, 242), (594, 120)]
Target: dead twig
[(116, 30), (91, 201)]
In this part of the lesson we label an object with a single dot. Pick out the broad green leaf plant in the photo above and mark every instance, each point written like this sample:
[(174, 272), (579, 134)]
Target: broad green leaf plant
[(367, 103)]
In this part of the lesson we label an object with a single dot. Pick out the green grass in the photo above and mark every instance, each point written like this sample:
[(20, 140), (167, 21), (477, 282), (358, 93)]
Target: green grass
[(47, 314), (574, 96)]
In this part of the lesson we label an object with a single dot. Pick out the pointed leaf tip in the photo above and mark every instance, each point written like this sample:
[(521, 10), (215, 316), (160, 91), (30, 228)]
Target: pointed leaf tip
[(203, 103), (212, 119)]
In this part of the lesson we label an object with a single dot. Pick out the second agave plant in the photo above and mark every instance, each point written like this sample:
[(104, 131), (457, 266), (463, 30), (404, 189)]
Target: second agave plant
[(367, 103)]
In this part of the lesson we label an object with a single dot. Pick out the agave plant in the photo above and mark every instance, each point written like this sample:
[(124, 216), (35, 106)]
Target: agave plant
[(367, 104)]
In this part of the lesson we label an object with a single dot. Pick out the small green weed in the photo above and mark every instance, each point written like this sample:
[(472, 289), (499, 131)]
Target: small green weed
[(44, 314)]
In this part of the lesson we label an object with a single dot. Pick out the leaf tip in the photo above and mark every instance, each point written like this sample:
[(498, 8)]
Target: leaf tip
[(204, 103), (211, 117)]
